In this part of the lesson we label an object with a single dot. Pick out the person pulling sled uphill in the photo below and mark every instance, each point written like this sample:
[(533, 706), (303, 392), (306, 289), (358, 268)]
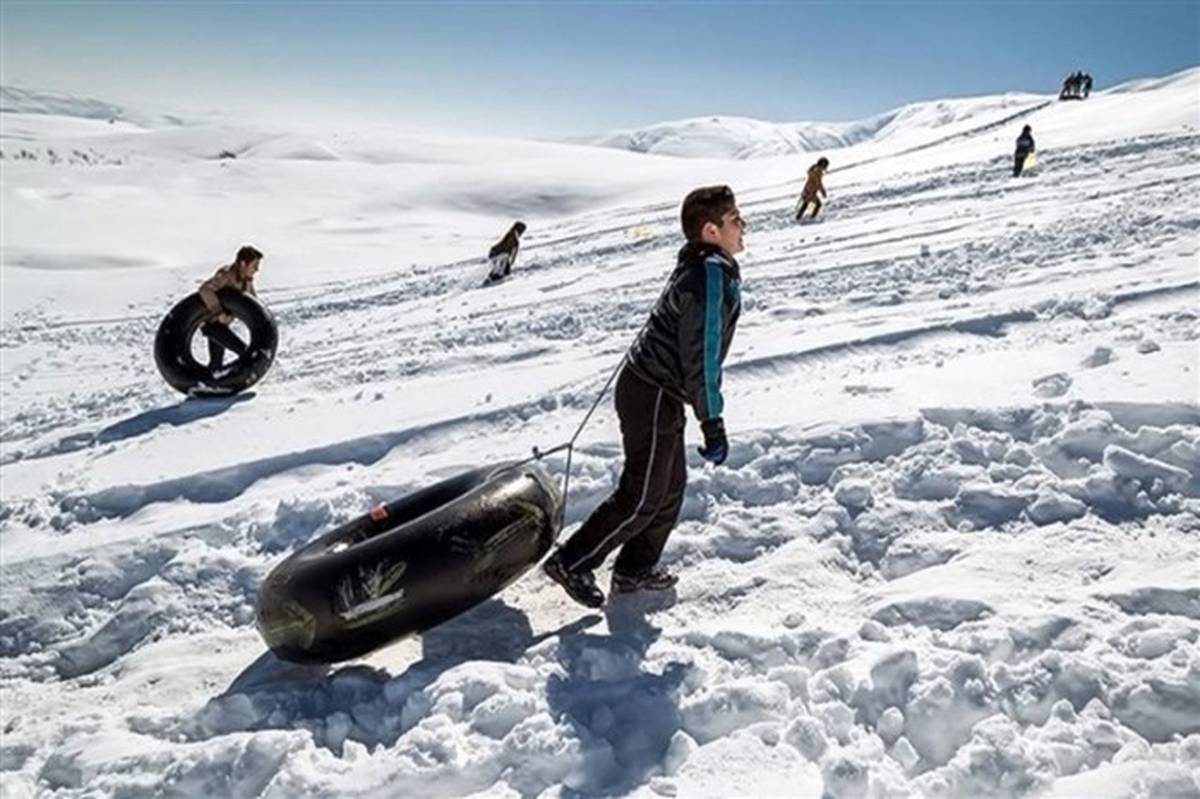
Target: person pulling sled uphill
[(1025, 148), (504, 253), (237, 275), (675, 360), (814, 189)]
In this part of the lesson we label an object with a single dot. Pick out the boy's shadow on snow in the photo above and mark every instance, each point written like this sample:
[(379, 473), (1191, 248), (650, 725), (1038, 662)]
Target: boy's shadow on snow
[(189, 410), (605, 690), (607, 693), (491, 630)]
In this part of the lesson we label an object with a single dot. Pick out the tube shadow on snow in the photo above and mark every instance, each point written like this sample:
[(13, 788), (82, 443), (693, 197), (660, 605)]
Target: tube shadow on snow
[(176, 415)]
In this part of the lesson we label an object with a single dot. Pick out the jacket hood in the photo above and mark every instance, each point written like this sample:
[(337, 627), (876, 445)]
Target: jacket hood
[(697, 252)]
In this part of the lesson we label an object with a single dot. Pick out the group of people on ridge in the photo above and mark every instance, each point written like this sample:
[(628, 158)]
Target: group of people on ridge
[(1076, 86)]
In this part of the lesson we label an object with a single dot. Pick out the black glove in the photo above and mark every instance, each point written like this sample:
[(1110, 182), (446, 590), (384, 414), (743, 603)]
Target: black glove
[(716, 446)]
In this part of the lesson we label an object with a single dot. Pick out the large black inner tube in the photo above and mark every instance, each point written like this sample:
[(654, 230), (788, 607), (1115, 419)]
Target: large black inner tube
[(173, 345), (409, 565)]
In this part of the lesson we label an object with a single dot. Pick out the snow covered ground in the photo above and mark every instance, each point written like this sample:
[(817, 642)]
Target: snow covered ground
[(955, 551)]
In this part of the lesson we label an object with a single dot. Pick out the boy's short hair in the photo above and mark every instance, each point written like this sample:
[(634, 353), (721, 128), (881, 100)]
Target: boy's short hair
[(704, 205), (247, 254)]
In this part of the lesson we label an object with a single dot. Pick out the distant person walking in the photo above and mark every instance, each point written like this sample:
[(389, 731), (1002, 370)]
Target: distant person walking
[(1087, 85), (503, 253), (1025, 148), (814, 189)]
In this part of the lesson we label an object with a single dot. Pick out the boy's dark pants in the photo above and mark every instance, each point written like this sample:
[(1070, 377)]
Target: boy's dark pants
[(221, 338), (639, 516)]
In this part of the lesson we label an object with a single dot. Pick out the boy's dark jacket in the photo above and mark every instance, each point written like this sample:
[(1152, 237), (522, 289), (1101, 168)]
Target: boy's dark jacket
[(690, 329)]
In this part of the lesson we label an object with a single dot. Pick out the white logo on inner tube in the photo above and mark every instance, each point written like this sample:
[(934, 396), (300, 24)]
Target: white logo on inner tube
[(375, 584)]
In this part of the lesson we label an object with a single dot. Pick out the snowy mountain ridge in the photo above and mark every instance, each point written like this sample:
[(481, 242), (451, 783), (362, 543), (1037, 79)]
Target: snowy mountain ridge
[(16, 100), (744, 137)]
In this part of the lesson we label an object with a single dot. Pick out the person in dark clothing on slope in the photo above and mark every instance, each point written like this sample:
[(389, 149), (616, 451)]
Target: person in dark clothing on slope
[(675, 361), (1024, 148), (504, 253), (1086, 84), (237, 275)]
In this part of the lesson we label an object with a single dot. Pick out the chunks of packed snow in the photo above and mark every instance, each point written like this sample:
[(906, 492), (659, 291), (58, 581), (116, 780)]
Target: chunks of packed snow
[(989, 505), (1054, 385), (854, 495), (1052, 506), (1098, 357), (1124, 463)]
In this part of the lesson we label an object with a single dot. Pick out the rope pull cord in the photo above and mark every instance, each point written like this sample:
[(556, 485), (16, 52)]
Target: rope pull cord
[(569, 446)]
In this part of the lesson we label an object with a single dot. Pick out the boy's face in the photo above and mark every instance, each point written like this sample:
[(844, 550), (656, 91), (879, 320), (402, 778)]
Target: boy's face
[(250, 268), (729, 235)]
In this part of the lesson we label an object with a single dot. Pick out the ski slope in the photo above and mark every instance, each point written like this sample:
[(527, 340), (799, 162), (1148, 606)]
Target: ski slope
[(955, 550)]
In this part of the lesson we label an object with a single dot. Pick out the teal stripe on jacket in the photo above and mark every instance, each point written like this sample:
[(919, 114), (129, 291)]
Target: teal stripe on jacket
[(713, 297)]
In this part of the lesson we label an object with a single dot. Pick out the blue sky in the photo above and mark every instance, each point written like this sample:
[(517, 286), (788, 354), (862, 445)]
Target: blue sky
[(562, 68)]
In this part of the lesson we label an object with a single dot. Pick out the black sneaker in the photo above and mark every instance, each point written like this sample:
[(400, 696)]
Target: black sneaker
[(580, 586), (651, 580)]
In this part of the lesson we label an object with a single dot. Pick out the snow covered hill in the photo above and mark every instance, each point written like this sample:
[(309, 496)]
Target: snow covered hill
[(15, 100), (741, 137), (955, 550)]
